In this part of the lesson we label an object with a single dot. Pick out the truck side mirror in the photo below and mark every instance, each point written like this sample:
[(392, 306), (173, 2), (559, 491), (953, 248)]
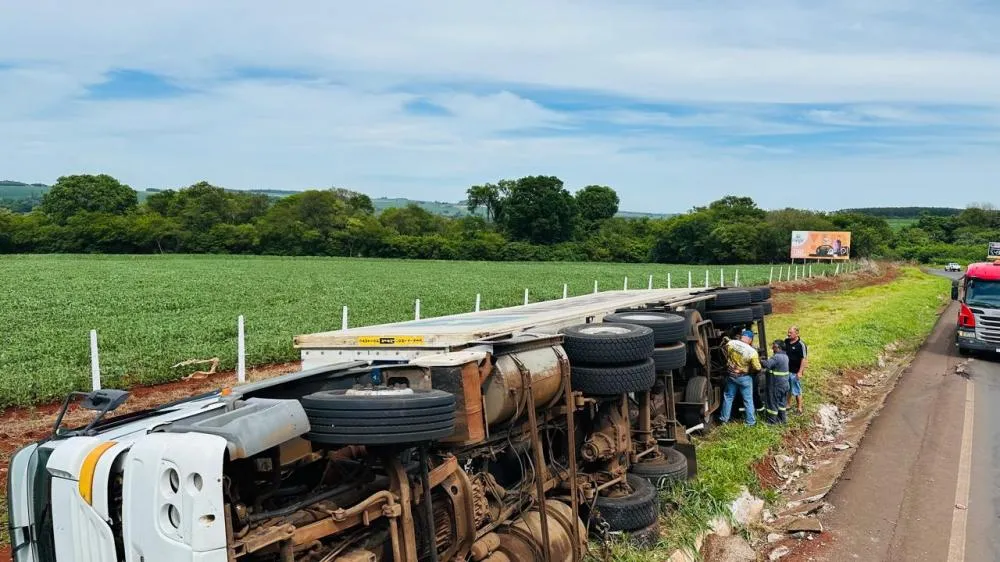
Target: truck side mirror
[(954, 291)]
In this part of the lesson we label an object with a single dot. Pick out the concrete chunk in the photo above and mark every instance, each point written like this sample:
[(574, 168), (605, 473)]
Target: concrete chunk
[(806, 524), (727, 549)]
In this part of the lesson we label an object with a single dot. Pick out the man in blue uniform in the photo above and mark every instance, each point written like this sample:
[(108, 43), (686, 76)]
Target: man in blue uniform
[(777, 384)]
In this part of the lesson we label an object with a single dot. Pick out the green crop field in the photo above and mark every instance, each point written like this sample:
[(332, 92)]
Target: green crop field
[(897, 224), (154, 311)]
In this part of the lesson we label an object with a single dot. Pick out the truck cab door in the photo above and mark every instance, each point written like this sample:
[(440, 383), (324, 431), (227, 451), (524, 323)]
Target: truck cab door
[(29, 505)]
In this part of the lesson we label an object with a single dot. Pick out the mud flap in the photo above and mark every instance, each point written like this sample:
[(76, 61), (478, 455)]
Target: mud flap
[(689, 413), (688, 451)]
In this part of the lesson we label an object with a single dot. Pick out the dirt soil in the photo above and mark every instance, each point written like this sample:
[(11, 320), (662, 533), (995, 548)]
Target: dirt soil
[(880, 274)]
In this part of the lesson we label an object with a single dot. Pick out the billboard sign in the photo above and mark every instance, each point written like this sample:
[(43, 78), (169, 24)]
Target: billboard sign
[(811, 244), (993, 253)]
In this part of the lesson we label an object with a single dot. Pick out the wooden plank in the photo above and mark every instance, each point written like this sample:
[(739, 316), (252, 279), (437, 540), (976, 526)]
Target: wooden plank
[(460, 329)]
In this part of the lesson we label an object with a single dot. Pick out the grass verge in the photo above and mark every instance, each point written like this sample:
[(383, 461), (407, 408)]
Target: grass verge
[(845, 330)]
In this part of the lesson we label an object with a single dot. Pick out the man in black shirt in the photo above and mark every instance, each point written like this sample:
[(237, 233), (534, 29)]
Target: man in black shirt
[(798, 355)]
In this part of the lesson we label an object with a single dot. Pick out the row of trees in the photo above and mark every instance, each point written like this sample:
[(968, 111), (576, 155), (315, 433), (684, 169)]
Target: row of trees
[(962, 237), (531, 218)]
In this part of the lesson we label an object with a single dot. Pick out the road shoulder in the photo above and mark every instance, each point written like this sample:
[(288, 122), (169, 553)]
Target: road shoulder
[(900, 483)]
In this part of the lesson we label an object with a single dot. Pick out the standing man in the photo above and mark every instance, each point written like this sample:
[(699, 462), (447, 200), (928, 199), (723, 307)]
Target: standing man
[(742, 360), (777, 387), (798, 354)]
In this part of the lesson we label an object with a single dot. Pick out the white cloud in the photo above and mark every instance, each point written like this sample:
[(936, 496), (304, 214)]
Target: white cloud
[(886, 64)]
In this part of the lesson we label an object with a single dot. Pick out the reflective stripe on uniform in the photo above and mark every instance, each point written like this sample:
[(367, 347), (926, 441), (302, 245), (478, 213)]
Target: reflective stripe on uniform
[(777, 374), (772, 412)]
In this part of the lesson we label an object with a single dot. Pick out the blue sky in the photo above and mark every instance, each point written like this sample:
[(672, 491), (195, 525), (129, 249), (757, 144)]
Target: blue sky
[(795, 103)]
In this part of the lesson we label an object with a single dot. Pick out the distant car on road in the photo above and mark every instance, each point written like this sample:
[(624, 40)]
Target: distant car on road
[(953, 267)]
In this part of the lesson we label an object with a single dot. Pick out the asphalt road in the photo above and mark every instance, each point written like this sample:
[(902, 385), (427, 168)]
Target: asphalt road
[(907, 494)]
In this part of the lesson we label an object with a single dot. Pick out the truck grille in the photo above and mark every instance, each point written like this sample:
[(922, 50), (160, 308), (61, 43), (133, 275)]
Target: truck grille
[(988, 327)]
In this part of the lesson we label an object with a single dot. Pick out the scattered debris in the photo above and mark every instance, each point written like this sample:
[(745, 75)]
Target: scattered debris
[(727, 549), (720, 526), (801, 509), (680, 556), (783, 460), (828, 424), (817, 497), (962, 369), (198, 375), (746, 509), (842, 446), (961, 507), (808, 524), (778, 553), (847, 390), (774, 537)]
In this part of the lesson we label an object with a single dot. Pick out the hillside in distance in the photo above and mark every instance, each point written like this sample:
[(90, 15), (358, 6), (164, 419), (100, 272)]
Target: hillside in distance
[(23, 197), (905, 212)]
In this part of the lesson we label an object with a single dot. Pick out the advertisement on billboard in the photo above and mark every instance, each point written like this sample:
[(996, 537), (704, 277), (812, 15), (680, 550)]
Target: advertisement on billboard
[(993, 252), (810, 244)]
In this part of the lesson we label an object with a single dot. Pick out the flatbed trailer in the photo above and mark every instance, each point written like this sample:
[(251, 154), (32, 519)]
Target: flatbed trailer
[(404, 341)]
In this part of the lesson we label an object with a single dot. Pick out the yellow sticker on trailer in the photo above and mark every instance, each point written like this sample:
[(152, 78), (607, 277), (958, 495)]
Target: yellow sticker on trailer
[(370, 341)]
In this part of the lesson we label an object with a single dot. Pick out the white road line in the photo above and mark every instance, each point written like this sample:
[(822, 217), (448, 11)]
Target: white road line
[(956, 547)]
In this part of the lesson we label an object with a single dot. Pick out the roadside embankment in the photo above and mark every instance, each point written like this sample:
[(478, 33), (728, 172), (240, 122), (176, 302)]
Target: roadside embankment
[(854, 329)]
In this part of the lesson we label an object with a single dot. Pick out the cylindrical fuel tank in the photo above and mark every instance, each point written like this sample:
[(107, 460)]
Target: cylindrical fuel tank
[(523, 541), (505, 392)]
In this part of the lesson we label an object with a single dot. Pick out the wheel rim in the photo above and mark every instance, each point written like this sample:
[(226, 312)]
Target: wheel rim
[(601, 330), (648, 317), (391, 392)]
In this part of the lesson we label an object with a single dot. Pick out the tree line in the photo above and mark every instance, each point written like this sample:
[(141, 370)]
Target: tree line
[(961, 238), (533, 218)]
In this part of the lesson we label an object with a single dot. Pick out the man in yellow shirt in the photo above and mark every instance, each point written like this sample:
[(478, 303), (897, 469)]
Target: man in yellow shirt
[(742, 361)]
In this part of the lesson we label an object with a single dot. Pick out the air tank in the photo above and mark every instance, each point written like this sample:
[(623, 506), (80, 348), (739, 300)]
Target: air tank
[(505, 392)]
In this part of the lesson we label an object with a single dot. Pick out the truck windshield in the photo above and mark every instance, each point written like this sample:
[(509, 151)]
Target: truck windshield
[(982, 293)]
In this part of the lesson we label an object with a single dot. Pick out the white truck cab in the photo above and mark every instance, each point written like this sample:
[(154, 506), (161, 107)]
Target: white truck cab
[(147, 486)]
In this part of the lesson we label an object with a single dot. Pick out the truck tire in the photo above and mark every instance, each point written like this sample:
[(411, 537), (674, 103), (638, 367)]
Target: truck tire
[(607, 380), (390, 416), (670, 357), (758, 311), (637, 510), (699, 390), (607, 344), (729, 298), (730, 317), (756, 295), (667, 328), (671, 466), (768, 308), (645, 538)]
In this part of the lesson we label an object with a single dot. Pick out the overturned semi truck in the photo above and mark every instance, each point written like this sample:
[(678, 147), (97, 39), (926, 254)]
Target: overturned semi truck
[(502, 435)]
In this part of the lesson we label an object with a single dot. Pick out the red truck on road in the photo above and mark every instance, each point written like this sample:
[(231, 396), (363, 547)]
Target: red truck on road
[(978, 291)]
